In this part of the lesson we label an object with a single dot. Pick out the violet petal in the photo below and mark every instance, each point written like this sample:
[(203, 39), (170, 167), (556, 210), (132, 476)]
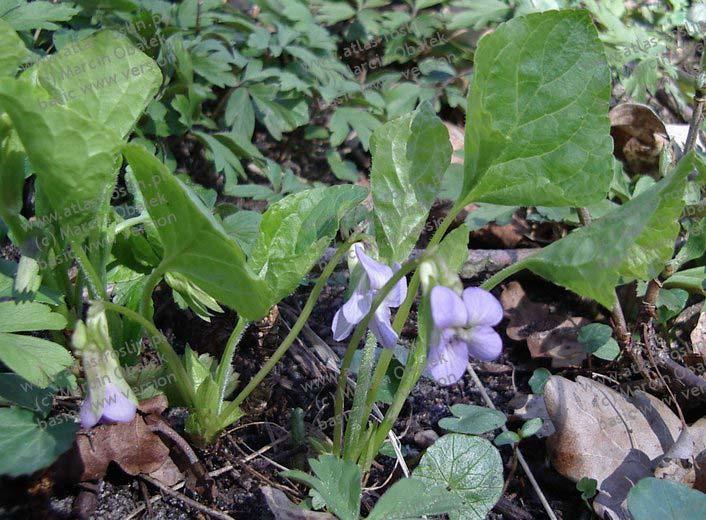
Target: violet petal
[(117, 407), (380, 326), (399, 292), (89, 414), (485, 344), (341, 327), (483, 308), (357, 306), (378, 273), (448, 358), (447, 308)]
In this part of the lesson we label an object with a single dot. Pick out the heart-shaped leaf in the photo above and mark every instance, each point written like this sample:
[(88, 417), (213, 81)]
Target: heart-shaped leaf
[(468, 466), (538, 131), (656, 499)]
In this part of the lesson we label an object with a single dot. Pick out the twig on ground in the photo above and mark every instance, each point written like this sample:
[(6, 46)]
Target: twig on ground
[(188, 501), (520, 457)]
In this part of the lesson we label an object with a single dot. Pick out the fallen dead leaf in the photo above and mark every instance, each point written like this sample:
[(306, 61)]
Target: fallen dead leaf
[(532, 406), (547, 334), (283, 509), (639, 136), (602, 435), (698, 335), (457, 138)]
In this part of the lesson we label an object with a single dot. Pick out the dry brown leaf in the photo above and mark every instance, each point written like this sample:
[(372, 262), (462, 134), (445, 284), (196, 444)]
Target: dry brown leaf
[(698, 335), (283, 509), (457, 138), (602, 435), (547, 334), (132, 446), (532, 406), (639, 136)]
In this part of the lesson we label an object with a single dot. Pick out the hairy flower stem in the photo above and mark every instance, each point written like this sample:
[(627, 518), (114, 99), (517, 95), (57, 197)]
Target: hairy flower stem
[(94, 282), (295, 330), (166, 351), (358, 333), (227, 359)]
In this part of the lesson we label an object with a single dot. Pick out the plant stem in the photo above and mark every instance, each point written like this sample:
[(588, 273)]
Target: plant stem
[(359, 417), (294, 332), (227, 359), (164, 348), (353, 345), (128, 223), (697, 118), (150, 284), (94, 282), (406, 307)]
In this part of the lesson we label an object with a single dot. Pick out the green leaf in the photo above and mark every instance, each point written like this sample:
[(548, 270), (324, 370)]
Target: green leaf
[(338, 483), (588, 487), (16, 390), (472, 419), (12, 51), (295, 232), (654, 247), (469, 467), (103, 77), (589, 260), (74, 169), (412, 498), (23, 16), (22, 317), (410, 156), (530, 427), (538, 380), (359, 120), (594, 336), (278, 112), (35, 359), (693, 280), (487, 213), (453, 249), (656, 499), (27, 446), (243, 227), (506, 438), (538, 129), (195, 244), (343, 170)]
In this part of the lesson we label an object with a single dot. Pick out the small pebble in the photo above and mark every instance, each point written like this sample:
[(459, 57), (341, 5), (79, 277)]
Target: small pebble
[(425, 438)]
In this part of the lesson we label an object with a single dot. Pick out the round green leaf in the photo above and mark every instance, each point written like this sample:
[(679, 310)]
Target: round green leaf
[(27, 444), (538, 380), (655, 499), (472, 420), (468, 466)]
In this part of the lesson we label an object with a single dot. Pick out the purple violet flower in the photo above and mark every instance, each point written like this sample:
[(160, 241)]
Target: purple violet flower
[(463, 327), (114, 407), (375, 276)]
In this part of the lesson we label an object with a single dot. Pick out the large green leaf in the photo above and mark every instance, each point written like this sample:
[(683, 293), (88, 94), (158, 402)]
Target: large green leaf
[(410, 156), (72, 155), (103, 77), (35, 359), (468, 466), (591, 260), (472, 419), (338, 483), (295, 231), (23, 317), (410, 498), (23, 15), (654, 247), (12, 50), (538, 131), (27, 446), (195, 243), (656, 499)]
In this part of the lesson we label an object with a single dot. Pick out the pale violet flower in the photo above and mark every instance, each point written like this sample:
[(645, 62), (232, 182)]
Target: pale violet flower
[(375, 275), (108, 398), (462, 327), (113, 407)]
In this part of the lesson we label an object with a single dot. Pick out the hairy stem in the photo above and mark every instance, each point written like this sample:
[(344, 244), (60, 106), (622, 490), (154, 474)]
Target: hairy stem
[(227, 359)]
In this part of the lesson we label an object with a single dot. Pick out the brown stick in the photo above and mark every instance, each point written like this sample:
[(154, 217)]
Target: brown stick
[(189, 502)]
